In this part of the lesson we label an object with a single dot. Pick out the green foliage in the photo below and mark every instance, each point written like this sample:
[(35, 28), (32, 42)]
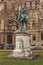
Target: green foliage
[(6, 61)]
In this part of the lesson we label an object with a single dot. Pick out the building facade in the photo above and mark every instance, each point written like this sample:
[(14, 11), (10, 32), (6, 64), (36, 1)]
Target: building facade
[(8, 20)]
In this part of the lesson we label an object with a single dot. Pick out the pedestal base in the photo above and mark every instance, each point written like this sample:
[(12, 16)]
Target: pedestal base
[(20, 53), (32, 56)]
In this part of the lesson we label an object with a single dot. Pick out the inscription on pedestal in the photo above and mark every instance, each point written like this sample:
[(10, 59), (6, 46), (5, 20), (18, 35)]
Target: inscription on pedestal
[(22, 41)]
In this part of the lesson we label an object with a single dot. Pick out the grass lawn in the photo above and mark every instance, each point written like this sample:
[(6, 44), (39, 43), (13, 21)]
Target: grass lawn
[(6, 61)]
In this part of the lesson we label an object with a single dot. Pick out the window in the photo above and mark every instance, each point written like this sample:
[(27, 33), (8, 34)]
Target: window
[(9, 28), (9, 24), (9, 6), (41, 4), (10, 17), (2, 24), (37, 6), (41, 14), (5, 6), (0, 8), (34, 14), (16, 6), (28, 5), (13, 6), (33, 5), (34, 37), (28, 26), (37, 2), (41, 36), (33, 25), (42, 24)]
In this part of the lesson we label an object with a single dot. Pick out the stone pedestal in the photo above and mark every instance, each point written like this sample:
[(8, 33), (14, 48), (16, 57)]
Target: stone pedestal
[(22, 47)]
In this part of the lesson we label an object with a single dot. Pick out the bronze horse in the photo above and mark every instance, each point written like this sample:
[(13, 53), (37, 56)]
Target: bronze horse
[(22, 17)]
